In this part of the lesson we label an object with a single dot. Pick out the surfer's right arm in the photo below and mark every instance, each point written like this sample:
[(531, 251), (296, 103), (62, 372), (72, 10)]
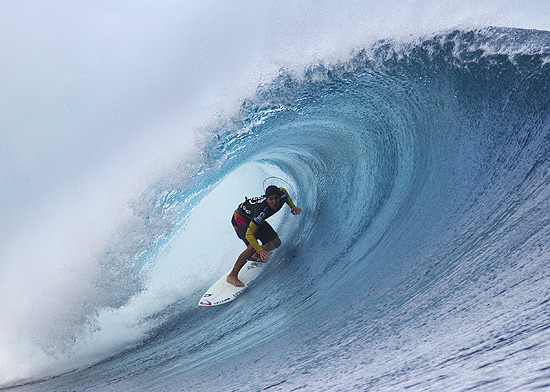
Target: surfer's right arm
[(251, 238)]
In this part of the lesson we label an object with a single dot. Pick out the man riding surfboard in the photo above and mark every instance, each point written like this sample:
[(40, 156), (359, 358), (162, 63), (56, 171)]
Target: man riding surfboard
[(249, 222)]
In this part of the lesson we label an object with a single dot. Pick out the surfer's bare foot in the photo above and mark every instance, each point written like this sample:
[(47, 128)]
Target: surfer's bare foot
[(234, 281)]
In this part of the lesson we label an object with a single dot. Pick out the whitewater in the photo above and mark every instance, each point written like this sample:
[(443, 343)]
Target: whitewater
[(414, 136)]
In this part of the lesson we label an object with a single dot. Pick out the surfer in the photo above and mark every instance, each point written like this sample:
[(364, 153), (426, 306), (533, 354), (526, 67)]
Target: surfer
[(249, 222)]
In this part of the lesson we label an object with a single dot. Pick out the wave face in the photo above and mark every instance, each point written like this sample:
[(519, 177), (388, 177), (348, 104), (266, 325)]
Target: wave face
[(420, 260)]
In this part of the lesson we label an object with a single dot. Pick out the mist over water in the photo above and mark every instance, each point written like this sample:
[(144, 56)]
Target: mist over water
[(131, 131)]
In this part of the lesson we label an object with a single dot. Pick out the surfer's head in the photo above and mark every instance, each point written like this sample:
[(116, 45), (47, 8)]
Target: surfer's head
[(273, 190), (273, 196)]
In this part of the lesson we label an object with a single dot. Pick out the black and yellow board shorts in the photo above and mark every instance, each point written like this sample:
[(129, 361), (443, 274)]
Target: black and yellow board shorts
[(264, 234)]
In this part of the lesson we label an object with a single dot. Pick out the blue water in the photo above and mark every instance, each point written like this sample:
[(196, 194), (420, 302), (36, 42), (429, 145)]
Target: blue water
[(420, 262)]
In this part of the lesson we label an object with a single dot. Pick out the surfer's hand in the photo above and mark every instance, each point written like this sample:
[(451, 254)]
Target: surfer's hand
[(296, 211), (264, 255)]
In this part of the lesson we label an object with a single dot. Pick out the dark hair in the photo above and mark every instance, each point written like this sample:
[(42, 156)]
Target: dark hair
[(271, 190)]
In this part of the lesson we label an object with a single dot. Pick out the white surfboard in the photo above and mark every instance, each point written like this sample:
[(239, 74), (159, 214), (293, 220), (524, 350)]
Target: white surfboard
[(223, 292)]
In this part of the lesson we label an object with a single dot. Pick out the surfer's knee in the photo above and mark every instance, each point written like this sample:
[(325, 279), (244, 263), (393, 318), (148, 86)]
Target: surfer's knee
[(273, 244), (276, 242)]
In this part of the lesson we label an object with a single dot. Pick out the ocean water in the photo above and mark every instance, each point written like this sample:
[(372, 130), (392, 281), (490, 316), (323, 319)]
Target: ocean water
[(420, 261)]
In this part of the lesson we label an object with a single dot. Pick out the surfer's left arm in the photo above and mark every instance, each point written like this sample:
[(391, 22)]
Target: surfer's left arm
[(293, 209)]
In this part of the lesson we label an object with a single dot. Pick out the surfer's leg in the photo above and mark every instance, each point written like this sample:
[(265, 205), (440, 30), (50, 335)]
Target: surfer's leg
[(268, 236), (241, 261), (273, 244)]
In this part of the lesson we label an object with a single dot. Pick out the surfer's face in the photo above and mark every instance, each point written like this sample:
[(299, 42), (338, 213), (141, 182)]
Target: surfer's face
[(274, 201)]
